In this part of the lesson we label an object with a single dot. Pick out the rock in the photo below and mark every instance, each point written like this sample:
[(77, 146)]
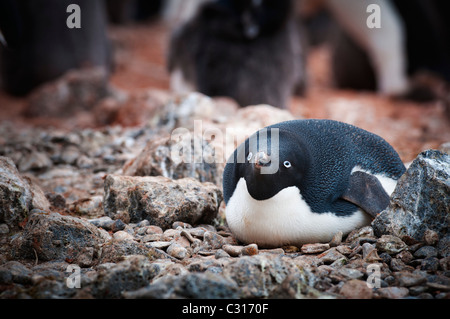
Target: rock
[(233, 251), (212, 240), (364, 232), (178, 156), (250, 250), (418, 204), (34, 161), (14, 271), (89, 207), (177, 251), (314, 248), (443, 246), (356, 289), (107, 223), (131, 274), (431, 237), (408, 279), (430, 264), (257, 276), (58, 237), (390, 244), (336, 240), (191, 285), (4, 229), (74, 91), (370, 253), (425, 252), (330, 256), (160, 200), (18, 195), (122, 236), (393, 292)]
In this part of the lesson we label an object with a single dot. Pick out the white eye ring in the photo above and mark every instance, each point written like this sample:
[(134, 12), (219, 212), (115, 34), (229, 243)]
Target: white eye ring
[(287, 164), (249, 157)]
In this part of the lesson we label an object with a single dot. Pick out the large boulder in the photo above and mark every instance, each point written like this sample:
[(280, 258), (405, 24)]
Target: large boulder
[(59, 237), (421, 200), (160, 200)]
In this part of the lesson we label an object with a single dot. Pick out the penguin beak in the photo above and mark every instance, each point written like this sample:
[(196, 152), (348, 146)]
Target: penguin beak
[(262, 159)]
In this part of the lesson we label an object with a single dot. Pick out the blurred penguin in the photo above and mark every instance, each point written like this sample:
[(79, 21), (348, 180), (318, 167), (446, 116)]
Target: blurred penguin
[(413, 38), (249, 50)]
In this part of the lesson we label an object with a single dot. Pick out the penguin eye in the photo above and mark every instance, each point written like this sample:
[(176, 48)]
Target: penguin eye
[(287, 164), (249, 157)]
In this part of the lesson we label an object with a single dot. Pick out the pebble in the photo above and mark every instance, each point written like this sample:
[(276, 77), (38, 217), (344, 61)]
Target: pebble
[(370, 253), (122, 236), (177, 251), (221, 253), (336, 240), (430, 237), (393, 292), (390, 244), (159, 244), (330, 256), (425, 252), (314, 248), (356, 289), (4, 229), (408, 279), (430, 264), (405, 256), (250, 250), (213, 240), (233, 251)]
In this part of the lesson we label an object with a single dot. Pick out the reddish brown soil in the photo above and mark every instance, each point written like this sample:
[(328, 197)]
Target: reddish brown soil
[(140, 55)]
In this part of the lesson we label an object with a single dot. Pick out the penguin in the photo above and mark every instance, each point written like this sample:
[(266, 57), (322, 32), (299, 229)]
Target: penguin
[(249, 50), (302, 181)]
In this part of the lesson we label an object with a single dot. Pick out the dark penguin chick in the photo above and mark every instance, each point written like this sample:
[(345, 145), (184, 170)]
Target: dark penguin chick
[(249, 50), (302, 181)]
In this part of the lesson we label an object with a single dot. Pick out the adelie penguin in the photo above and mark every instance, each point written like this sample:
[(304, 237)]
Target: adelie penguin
[(302, 181)]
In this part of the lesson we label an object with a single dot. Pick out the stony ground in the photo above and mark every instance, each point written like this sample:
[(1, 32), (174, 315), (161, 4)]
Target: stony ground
[(98, 199)]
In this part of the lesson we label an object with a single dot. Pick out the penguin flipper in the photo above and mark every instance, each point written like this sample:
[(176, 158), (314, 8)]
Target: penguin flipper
[(366, 191)]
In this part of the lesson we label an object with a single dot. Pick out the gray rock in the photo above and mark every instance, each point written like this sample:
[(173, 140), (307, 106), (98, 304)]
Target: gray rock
[(58, 237), (408, 279), (419, 202), (192, 285), (212, 240), (175, 157), (14, 271), (393, 292), (76, 90), (356, 289), (425, 252), (18, 195), (131, 274), (257, 276), (160, 200), (177, 251), (108, 224), (331, 255), (443, 246), (390, 244)]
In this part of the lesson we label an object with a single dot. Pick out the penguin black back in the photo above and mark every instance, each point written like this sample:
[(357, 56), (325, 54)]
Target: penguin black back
[(321, 154)]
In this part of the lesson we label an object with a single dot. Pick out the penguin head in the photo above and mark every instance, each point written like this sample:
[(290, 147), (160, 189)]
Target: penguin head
[(274, 161)]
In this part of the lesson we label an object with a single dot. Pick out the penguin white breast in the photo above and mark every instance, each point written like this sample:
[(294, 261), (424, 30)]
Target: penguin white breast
[(284, 219)]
